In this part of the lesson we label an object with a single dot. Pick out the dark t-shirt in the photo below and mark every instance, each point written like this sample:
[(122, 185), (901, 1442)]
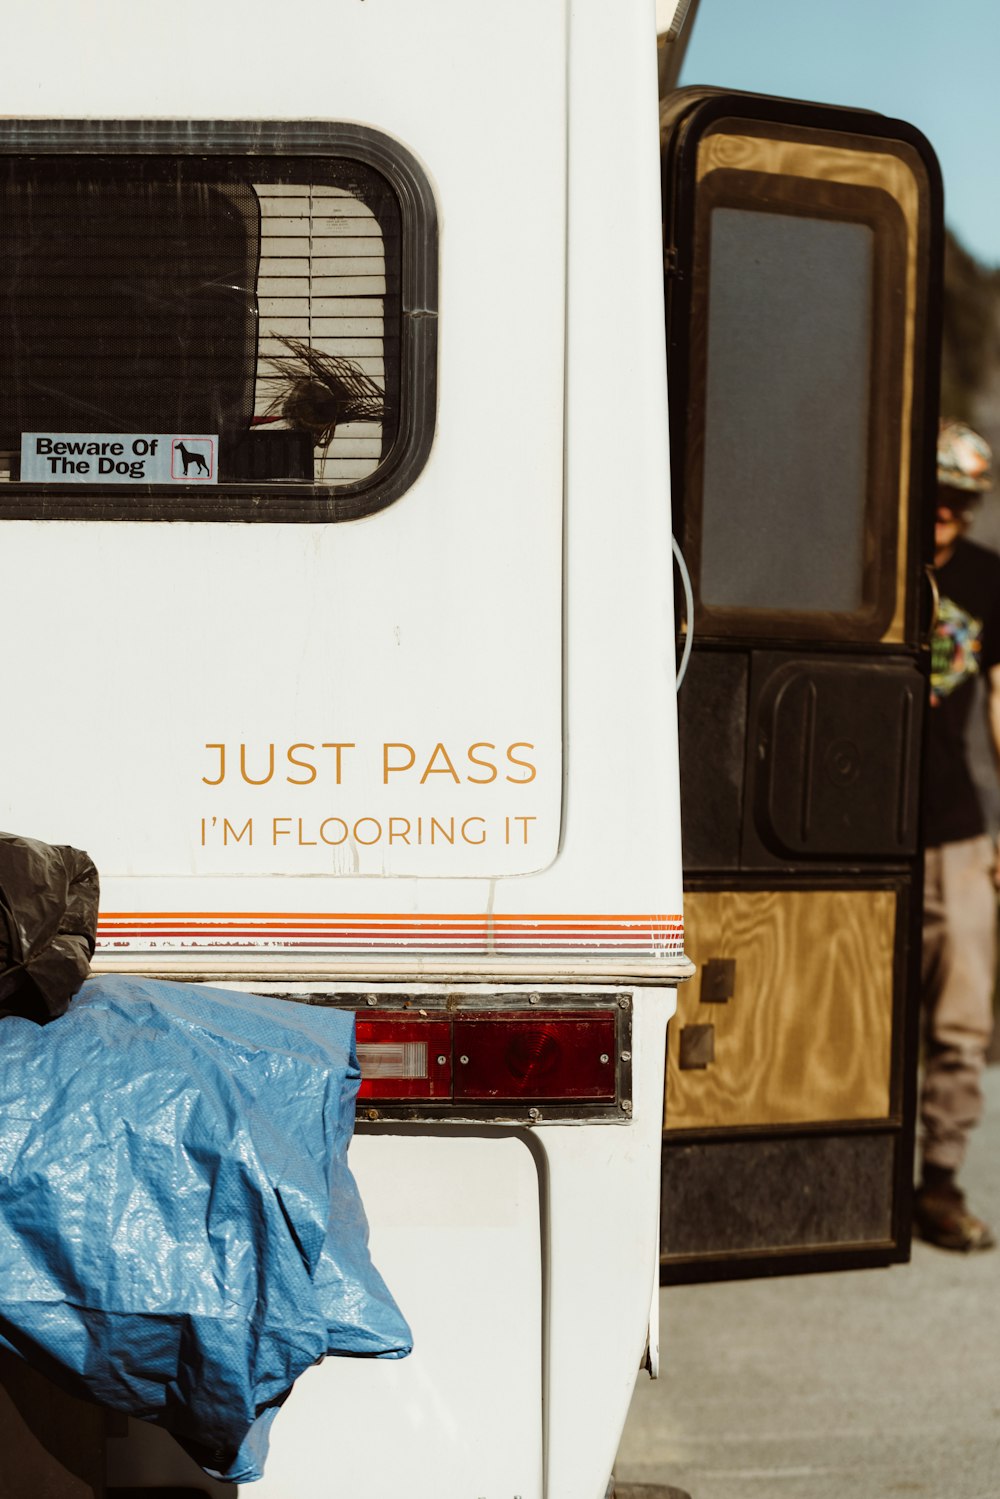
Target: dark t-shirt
[(966, 644)]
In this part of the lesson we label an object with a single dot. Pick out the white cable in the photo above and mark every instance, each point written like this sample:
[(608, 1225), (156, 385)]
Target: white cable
[(689, 609)]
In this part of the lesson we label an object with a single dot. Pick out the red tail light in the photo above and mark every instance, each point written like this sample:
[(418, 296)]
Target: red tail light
[(507, 1057), (542, 1058)]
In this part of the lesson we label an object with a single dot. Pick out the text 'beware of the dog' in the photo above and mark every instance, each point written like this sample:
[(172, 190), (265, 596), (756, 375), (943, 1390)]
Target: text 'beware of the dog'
[(119, 458)]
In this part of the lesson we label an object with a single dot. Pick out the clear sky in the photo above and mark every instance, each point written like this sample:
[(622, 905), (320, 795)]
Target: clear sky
[(933, 64)]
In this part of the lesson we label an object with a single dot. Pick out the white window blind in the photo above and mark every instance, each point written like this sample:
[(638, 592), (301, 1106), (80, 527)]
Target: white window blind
[(322, 280)]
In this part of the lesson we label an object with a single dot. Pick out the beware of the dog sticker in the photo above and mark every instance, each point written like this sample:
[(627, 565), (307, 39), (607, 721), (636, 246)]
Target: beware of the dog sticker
[(118, 458)]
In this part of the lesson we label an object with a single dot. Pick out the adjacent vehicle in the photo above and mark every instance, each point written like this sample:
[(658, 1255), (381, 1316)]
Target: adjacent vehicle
[(337, 536), (803, 271)]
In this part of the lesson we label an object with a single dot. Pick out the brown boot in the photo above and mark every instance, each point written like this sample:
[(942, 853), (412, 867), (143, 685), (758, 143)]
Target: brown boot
[(940, 1216)]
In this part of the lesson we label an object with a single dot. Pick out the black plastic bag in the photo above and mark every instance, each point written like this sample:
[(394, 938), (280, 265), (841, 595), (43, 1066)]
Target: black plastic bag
[(48, 924)]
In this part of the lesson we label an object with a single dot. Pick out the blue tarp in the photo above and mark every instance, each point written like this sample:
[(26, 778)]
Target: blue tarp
[(180, 1235)]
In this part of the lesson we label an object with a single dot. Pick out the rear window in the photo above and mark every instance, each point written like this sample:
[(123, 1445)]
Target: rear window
[(798, 351), (788, 350), (190, 334)]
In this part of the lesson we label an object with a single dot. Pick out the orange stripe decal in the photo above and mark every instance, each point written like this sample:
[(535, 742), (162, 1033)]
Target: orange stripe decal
[(369, 932)]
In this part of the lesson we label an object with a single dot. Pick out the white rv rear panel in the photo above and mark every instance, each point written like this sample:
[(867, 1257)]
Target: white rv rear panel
[(476, 683)]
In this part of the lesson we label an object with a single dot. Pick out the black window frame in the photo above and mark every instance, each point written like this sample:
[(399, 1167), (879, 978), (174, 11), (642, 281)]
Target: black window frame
[(276, 501)]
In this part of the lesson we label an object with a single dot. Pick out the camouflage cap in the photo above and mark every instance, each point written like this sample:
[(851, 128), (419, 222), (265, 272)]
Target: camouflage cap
[(964, 459)]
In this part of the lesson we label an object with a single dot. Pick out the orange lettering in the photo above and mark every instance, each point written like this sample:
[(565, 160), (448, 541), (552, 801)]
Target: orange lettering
[(525, 764), (486, 764), (302, 765), (447, 769), (388, 769)]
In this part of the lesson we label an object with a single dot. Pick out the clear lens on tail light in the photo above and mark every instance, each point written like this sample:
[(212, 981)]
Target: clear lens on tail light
[(393, 1059), (404, 1058)]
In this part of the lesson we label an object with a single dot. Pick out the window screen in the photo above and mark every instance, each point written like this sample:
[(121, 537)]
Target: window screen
[(255, 298), (786, 411)]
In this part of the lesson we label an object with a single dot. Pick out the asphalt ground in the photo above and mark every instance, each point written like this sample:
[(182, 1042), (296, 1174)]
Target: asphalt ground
[(866, 1384)]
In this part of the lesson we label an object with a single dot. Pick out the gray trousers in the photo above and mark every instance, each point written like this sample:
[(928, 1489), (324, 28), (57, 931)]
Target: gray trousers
[(958, 975)]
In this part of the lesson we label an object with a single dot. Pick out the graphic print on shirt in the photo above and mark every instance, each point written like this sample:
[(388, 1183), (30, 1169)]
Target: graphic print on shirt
[(954, 650)]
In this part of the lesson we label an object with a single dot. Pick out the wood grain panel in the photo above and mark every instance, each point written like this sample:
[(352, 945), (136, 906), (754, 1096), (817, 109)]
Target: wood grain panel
[(807, 1034)]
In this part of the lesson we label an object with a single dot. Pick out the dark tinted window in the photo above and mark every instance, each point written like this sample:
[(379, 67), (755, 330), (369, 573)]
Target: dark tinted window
[(278, 305), (786, 412), (127, 302)]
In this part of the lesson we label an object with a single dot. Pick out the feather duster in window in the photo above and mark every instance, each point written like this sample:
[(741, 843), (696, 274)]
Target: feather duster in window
[(319, 392)]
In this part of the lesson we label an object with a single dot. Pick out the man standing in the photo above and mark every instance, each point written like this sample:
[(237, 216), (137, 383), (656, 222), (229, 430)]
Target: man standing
[(961, 871)]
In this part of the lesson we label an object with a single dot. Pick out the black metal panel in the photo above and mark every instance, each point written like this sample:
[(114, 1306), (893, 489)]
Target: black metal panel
[(53, 1442), (712, 729), (756, 1195), (833, 759), (248, 457)]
